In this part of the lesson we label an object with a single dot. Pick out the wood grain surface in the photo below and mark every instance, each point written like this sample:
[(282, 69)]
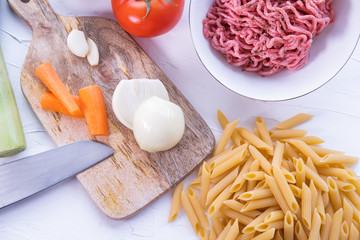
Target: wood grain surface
[(129, 180)]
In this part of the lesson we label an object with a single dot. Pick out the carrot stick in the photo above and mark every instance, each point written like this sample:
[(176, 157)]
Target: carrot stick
[(48, 101), (93, 105), (48, 76)]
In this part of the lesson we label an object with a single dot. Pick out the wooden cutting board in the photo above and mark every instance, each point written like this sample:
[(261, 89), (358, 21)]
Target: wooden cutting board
[(129, 180)]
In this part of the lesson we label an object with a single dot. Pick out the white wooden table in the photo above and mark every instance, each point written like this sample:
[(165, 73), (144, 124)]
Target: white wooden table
[(66, 212)]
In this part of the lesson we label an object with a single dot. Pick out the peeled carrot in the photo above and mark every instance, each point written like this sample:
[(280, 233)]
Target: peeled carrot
[(48, 101), (93, 105), (48, 76)]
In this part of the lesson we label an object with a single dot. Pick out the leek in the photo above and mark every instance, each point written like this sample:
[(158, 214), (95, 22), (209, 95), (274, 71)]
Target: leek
[(12, 139)]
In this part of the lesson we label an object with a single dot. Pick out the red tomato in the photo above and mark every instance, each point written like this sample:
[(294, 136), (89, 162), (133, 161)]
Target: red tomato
[(162, 17)]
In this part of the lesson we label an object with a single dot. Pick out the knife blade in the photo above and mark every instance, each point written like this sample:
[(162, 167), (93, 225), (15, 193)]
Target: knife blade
[(24, 177)]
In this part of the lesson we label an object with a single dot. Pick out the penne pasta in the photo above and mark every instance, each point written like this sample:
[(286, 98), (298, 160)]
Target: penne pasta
[(306, 206), (318, 181), (315, 226), (354, 232), (190, 212), (260, 203), (224, 157), (255, 175), (293, 121), (269, 234), (256, 194), (355, 181), (285, 190), (199, 210), (235, 137), (344, 186), (348, 211), (326, 199), (278, 235), (233, 204), (296, 191), (225, 137), (334, 194), (288, 226), (228, 164), (216, 225), (218, 202), (264, 163), (320, 207), (220, 186), (325, 228), (250, 228), (339, 158), (261, 185), (245, 236), (274, 216), (336, 225), (240, 179), (299, 231), (277, 193), (354, 198), (265, 190), (313, 195), (306, 150), (212, 234), (225, 231), (252, 183), (309, 140), (336, 172), (262, 227), (233, 231), (289, 152), (288, 175), (300, 171), (324, 151), (278, 154), (264, 134), (204, 183), (196, 182), (287, 133), (253, 139), (344, 231), (203, 234), (176, 202), (242, 218)]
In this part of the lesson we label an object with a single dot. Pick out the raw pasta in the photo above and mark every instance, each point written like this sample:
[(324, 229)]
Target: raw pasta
[(253, 192)]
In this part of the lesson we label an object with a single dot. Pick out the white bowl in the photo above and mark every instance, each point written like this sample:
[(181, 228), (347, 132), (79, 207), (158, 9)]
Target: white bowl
[(329, 53)]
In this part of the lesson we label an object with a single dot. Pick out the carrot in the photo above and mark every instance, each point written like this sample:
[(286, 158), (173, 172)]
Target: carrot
[(48, 76), (48, 101), (93, 105)]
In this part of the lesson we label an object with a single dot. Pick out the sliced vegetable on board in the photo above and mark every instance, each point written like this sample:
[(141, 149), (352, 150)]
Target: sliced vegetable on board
[(48, 76), (93, 105), (12, 139), (49, 102)]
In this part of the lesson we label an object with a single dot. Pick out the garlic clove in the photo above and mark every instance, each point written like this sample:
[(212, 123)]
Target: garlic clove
[(158, 124), (77, 43), (93, 54), (129, 94)]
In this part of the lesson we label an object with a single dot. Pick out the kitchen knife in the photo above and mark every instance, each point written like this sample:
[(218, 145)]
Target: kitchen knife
[(24, 177)]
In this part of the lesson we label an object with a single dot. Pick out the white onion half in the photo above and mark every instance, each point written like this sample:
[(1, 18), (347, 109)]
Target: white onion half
[(158, 124), (129, 94)]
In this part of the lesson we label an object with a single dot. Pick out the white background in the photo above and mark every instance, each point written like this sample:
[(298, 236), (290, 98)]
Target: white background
[(66, 212)]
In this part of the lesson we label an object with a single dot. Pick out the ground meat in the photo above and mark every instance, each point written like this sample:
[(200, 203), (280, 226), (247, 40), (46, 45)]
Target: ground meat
[(266, 36)]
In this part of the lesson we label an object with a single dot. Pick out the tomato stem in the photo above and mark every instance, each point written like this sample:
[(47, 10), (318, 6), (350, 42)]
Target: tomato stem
[(148, 7)]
